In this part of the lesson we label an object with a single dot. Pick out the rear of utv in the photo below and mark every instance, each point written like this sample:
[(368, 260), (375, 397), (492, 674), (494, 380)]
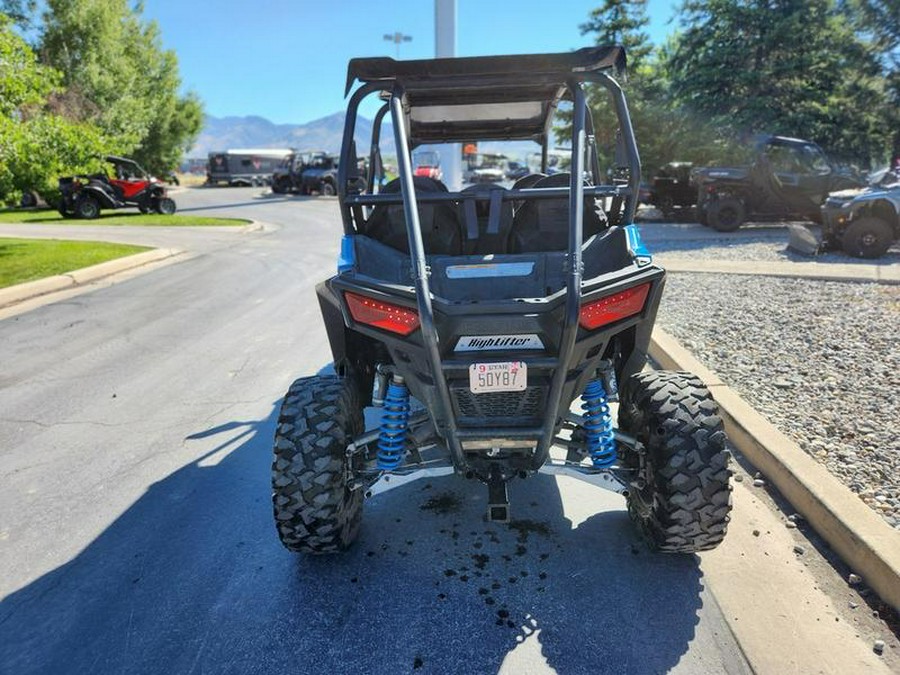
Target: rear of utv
[(472, 321)]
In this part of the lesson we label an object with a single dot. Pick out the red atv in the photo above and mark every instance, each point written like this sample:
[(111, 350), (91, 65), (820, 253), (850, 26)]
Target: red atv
[(84, 196)]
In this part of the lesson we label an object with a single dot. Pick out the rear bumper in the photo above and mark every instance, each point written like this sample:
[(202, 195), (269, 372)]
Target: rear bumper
[(516, 421)]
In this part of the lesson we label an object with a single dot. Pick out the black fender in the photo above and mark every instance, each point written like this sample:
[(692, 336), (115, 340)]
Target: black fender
[(106, 199), (352, 353), (881, 208)]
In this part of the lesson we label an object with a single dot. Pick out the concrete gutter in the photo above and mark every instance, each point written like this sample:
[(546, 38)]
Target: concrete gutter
[(865, 542), (19, 293), (884, 274)]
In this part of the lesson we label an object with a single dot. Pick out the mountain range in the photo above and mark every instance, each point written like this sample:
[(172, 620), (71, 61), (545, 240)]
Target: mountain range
[(252, 131), (326, 133)]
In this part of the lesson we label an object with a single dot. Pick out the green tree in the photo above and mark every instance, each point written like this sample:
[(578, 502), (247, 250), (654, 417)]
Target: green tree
[(117, 75), (19, 12), (664, 130), (24, 83), (879, 21), (36, 146), (793, 67)]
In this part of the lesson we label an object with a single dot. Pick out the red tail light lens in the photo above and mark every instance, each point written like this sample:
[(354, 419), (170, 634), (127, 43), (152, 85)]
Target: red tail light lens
[(613, 307), (383, 315)]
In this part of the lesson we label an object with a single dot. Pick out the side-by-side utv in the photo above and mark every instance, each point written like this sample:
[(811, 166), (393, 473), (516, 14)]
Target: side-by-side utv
[(84, 196), (472, 321)]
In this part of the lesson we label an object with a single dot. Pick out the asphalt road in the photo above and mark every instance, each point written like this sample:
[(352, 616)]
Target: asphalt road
[(137, 537)]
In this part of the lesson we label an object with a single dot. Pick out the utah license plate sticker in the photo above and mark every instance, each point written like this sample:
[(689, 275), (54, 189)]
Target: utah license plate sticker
[(503, 376)]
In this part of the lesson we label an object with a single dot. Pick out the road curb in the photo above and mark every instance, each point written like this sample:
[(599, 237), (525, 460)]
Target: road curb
[(32, 289), (790, 270), (864, 541)]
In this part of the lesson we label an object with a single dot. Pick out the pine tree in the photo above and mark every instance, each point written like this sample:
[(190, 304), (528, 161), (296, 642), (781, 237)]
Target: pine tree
[(791, 67)]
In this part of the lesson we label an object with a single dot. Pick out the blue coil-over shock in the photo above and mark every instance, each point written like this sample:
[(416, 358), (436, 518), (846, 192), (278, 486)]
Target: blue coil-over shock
[(601, 443), (394, 425)]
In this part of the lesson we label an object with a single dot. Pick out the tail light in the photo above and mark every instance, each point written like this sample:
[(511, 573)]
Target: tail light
[(384, 315), (613, 307)]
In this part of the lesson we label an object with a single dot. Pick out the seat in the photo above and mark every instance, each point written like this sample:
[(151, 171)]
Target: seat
[(441, 232), (543, 224), (524, 183), (487, 218)]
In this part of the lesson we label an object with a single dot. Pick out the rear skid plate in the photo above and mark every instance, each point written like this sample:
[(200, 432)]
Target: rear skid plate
[(498, 500)]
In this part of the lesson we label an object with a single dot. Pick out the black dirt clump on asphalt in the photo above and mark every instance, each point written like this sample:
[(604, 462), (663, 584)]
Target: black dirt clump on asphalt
[(418, 663), (481, 560), (443, 503), (526, 527), (449, 573)]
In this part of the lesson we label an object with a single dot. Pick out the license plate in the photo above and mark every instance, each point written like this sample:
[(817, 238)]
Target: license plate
[(504, 376)]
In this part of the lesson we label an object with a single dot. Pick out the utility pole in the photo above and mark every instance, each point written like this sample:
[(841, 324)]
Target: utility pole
[(445, 47), (397, 38)]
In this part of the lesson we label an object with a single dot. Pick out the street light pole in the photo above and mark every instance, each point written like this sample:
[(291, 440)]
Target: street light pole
[(397, 38), (445, 47)]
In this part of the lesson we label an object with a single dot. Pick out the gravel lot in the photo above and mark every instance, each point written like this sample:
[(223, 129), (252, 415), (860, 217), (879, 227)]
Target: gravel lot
[(752, 242), (818, 358)]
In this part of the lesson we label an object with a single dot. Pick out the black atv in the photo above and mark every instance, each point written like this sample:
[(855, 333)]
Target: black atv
[(471, 321), (673, 189), (84, 196), (789, 179), (288, 176), (320, 174), (864, 223)]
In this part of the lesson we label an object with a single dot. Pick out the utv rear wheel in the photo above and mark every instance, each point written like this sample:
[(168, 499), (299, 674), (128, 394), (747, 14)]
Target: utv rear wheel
[(868, 237), (683, 501), (165, 206), (726, 215), (327, 189), (87, 207), (315, 510)]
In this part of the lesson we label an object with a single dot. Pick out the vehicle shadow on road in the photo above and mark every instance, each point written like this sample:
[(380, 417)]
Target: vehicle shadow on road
[(191, 578)]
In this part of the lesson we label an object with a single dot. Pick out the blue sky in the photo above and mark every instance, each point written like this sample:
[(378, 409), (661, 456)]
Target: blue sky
[(287, 61)]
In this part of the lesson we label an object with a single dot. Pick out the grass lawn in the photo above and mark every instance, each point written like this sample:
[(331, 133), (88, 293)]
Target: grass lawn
[(24, 260), (127, 217)]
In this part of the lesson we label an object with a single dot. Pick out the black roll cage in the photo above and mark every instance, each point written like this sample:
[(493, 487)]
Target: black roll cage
[(352, 204)]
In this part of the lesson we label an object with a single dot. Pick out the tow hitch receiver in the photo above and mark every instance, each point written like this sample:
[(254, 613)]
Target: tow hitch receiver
[(498, 499)]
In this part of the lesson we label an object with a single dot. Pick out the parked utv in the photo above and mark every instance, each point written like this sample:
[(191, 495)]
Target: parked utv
[(428, 164), (789, 179), (84, 196), (495, 309), (288, 176), (864, 223), (673, 189), (320, 175)]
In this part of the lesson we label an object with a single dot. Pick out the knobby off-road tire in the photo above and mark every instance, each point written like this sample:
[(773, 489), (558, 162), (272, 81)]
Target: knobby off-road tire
[(868, 237), (726, 215), (315, 512), (685, 505), (87, 207), (164, 206)]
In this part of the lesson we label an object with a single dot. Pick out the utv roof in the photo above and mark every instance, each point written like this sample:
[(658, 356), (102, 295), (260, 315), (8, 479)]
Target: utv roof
[(115, 159), (499, 97)]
